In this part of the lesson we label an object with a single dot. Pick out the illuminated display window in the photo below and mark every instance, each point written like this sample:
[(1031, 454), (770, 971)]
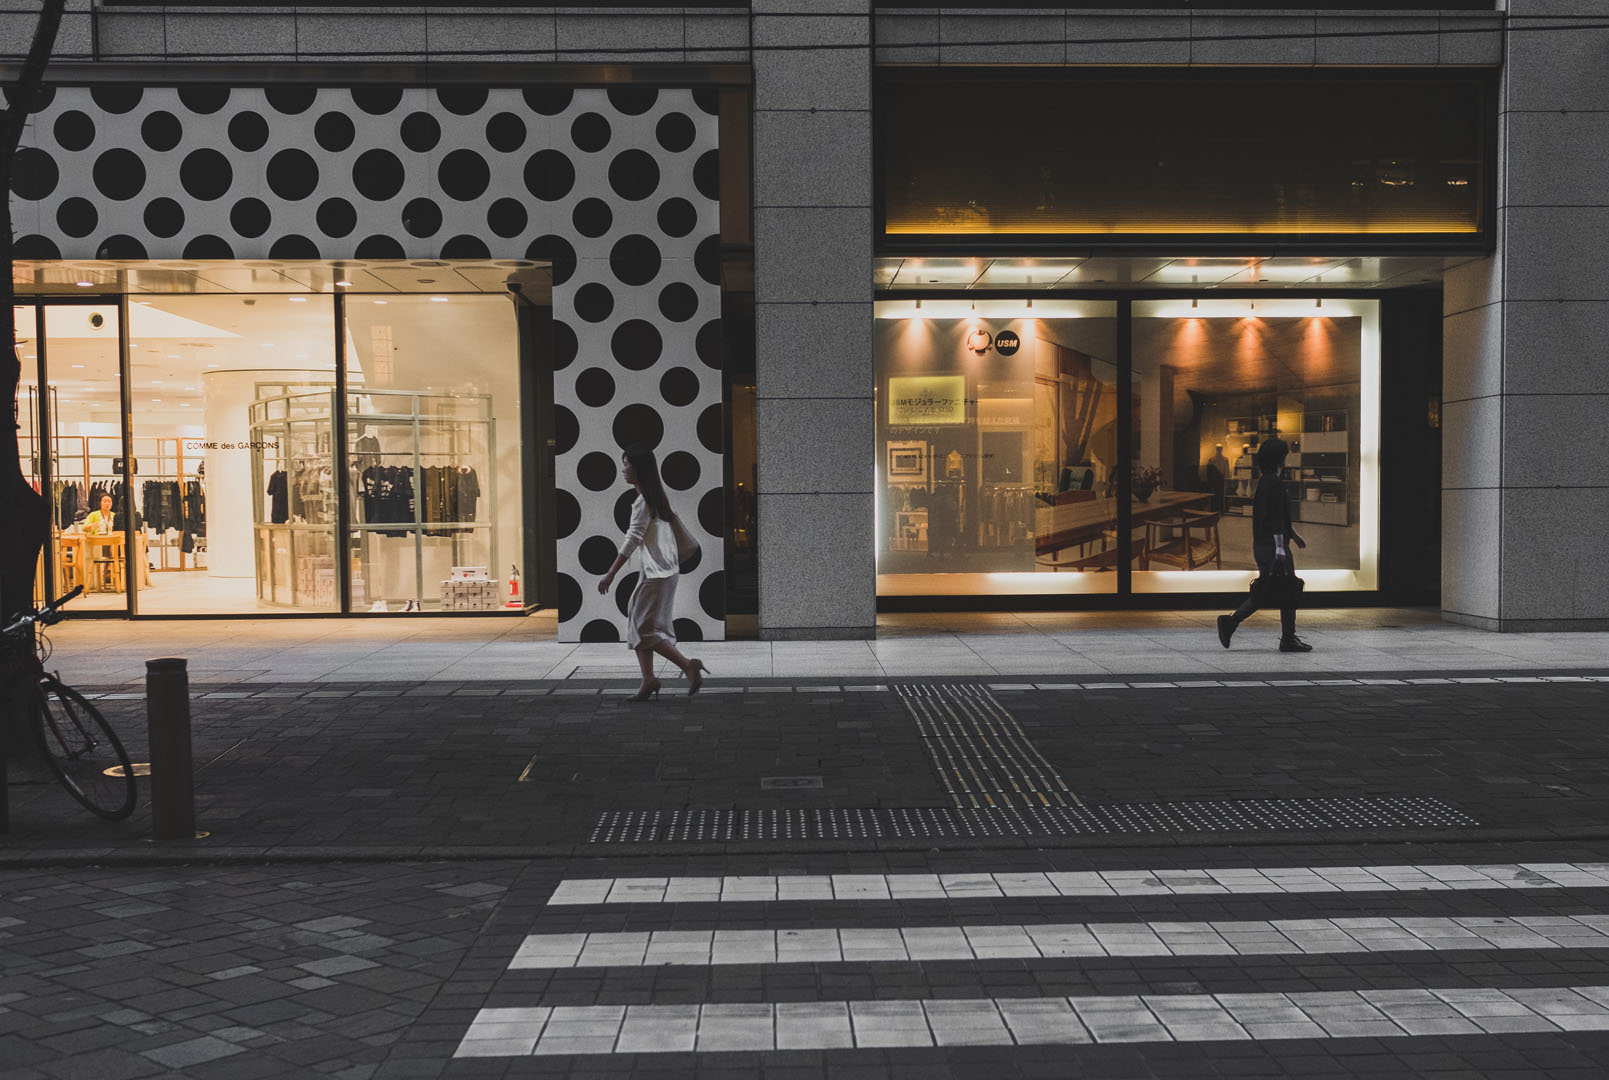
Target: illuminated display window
[(999, 450)]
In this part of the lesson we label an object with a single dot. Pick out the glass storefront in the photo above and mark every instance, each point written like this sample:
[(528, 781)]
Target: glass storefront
[(1003, 451), (238, 486)]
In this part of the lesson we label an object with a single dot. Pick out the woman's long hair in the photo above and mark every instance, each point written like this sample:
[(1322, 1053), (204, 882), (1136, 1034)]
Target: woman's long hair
[(644, 464)]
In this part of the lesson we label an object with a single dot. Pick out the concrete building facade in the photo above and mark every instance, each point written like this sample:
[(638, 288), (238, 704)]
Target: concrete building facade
[(818, 497)]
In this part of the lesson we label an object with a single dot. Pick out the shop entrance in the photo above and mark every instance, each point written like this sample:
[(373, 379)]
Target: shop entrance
[(291, 446), (69, 411)]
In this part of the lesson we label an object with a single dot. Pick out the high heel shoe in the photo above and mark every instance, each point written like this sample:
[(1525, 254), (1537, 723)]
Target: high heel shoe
[(695, 676), (649, 689)]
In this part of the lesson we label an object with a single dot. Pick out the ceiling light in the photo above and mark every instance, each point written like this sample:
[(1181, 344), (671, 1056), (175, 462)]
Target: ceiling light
[(157, 400), (184, 404), (212, 365), (83, 284), (439, 299), (173, 356), (156, 382), (78, 365), (343, 283), (298, 299), (382, 302)]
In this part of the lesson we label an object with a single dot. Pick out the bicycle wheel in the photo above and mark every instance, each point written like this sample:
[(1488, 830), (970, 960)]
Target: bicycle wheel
[(80, 747)]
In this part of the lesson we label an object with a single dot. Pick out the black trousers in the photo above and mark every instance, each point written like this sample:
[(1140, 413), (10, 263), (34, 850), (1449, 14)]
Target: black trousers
[(1264, 554)]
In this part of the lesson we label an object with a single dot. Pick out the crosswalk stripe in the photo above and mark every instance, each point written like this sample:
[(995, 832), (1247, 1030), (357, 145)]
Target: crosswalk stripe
[(1145, 1018), (1187, 882), (1313, 937)]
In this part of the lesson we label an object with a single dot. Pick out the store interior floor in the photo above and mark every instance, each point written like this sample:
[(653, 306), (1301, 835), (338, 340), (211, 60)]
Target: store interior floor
[(423, 648)]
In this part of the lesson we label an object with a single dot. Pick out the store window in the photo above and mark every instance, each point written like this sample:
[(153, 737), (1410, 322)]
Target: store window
[(233, 466), (996, 446), (1213, 379), (433, 432), (76, 440)]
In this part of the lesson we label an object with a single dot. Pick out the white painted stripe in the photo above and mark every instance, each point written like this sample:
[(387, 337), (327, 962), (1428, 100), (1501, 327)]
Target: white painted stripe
[(1185, 882), (655, 948), (1146, 1018)]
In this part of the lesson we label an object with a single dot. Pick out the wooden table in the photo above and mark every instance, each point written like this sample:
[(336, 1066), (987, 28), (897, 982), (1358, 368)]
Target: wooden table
[(1071, 524)]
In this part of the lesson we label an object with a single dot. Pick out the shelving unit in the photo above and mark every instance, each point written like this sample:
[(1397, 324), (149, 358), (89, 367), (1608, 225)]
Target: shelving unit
[(391, 561), (417, 430), (295, 560), (1316, 470)]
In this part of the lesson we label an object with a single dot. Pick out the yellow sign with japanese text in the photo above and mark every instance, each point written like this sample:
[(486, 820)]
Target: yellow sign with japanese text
[(927, 399)]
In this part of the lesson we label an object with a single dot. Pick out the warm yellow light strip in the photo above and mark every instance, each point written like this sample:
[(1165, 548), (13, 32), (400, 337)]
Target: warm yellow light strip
[(1039, 226)]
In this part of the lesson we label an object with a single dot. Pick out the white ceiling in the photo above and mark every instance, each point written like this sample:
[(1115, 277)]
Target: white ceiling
[(283, 276)]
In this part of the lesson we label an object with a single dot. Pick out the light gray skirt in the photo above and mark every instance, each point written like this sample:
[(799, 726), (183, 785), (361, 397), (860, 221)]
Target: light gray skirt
[(649, 613)]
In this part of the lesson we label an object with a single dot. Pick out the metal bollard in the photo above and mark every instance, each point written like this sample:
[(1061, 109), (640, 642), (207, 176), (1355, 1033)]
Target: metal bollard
[(167, 714)]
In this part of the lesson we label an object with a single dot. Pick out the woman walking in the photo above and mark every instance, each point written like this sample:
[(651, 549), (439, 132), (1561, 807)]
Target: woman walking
[(1270, 533), (654, 528)]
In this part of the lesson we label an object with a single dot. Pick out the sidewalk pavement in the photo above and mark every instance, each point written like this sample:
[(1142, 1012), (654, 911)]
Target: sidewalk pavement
[(1350, 640)]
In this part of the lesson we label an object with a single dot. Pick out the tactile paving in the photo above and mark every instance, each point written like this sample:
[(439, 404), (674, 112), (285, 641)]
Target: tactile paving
[(873, 823)]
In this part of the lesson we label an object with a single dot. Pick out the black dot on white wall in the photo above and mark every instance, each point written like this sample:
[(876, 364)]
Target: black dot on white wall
[(637, 344), (613, 200), (421, 132), (74, 130), (160, 130)]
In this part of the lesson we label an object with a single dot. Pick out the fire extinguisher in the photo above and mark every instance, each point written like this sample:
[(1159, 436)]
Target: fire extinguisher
[(514, 600)]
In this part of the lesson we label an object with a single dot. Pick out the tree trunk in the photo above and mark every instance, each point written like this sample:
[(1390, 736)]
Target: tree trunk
[(25, 511)]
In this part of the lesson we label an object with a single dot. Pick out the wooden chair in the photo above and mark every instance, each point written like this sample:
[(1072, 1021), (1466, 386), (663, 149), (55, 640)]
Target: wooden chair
[(106, 563), (1101, 560), (1194, 547), (69, 565)]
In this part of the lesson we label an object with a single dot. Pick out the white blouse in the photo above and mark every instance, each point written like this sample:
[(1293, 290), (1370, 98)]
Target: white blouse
[(656, 538)]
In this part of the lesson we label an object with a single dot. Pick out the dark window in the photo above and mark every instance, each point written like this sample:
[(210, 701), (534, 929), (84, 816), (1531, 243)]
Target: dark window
[(1125, 159)]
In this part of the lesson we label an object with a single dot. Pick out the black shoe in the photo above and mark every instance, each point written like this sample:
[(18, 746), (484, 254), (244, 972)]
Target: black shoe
[(1294, 644), (1226, 629)]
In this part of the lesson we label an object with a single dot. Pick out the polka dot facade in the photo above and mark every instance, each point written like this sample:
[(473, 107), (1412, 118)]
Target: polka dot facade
[(613, 189)]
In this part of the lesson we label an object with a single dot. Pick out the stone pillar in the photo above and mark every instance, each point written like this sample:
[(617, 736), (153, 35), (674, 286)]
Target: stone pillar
[(1525, 480), (813, 317)]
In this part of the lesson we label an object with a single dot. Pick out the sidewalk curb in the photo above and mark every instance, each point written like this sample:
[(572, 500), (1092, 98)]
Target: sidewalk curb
[(236, 856)]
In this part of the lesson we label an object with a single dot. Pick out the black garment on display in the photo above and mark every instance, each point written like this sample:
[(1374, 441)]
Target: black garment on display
[(388, 496), (66, 504), (467, 494), (279, 496)]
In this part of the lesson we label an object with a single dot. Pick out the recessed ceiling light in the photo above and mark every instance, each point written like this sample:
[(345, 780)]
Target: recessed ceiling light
[(380, 302), (157, 400), (439, 299), (31, 356), (212, 365), (343, 283), (156, 382), (184, 404), (78, 365), (83, 284), (173, 356), (298, 299)]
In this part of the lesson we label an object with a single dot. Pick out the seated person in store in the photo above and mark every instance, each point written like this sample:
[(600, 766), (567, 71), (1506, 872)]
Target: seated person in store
[(104, 521)]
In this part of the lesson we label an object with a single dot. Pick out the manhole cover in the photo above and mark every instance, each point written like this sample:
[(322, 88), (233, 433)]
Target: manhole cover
[(784, 783)]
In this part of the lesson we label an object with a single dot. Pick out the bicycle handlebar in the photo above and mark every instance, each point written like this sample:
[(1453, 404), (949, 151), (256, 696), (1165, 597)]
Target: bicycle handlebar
[(46, 614)]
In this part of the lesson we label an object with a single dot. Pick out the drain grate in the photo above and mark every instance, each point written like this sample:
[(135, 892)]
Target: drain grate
[(938, 822)]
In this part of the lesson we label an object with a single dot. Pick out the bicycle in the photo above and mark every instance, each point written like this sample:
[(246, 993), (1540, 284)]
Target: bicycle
[(74, 739)]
